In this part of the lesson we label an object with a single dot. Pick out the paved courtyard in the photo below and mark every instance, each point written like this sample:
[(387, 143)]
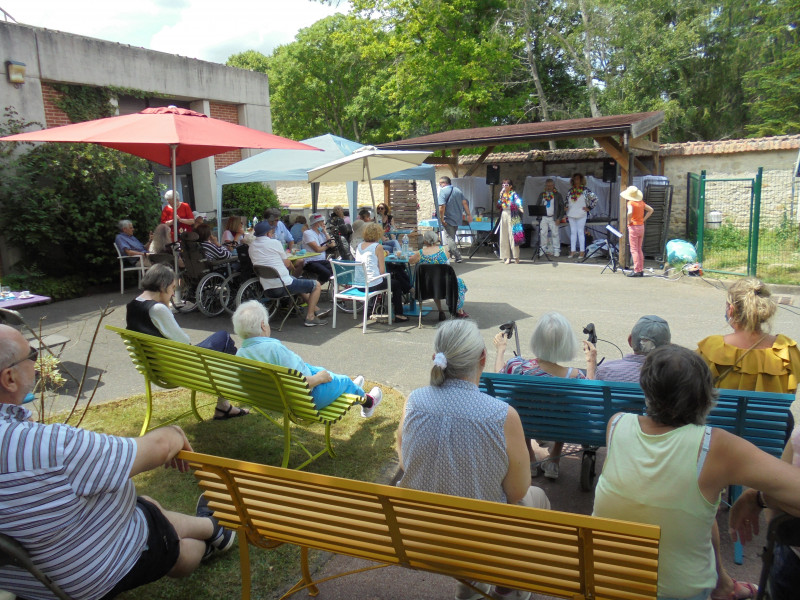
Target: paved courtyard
[(400, 356)]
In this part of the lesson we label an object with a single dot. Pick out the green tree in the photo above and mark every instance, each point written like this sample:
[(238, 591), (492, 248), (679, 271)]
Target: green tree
[(452, 62), (248, 199), (772, 86), (323, 82)]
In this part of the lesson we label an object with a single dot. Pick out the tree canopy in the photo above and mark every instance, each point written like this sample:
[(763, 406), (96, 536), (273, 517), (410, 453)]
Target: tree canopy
[(399, 68)]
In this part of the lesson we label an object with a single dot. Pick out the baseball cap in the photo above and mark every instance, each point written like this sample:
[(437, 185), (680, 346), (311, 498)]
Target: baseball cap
[(649, 333), (262, 228)]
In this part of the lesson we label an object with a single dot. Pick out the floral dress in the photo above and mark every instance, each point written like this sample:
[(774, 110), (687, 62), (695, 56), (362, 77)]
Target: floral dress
[(440, 258)]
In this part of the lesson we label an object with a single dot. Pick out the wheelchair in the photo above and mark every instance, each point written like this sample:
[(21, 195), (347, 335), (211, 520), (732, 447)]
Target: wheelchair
[(209, 286)]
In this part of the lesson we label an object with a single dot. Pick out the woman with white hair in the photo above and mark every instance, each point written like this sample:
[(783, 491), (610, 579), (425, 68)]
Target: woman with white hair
[(184, 212), (553, 342), (454, 439), (251, 323)]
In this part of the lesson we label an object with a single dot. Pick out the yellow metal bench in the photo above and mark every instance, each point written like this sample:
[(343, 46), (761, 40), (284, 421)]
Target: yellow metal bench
[(547, 552), (266, 388)]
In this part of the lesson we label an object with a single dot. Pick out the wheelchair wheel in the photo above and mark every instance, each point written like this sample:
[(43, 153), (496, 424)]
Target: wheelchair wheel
[(213, 294), (249, 290), (234, 283)]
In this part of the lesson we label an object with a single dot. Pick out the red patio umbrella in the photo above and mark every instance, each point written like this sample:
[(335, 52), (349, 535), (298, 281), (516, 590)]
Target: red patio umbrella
[(169, 136)]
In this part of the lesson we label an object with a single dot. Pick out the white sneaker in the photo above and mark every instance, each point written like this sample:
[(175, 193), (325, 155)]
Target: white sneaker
[(550, 470), (377, 395), (464, 592), (509, 594), (359, 381)]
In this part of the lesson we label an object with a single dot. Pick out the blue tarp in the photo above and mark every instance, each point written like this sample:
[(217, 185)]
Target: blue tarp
[(293, 165)]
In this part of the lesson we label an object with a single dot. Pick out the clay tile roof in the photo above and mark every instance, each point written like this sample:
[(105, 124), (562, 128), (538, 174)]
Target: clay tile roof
[(778, 142), (636, 125)]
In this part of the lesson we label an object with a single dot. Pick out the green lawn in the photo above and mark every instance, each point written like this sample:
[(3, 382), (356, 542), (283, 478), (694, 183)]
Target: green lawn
[(364, 447)]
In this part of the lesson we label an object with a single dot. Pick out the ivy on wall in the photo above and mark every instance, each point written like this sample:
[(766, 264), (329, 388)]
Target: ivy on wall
[(84, 102)]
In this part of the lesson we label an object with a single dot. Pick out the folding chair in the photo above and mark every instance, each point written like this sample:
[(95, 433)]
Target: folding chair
[(12, 553), (436, 282), (124, 266), (350, 284), (276, 294), (53, 343), (783, 530)]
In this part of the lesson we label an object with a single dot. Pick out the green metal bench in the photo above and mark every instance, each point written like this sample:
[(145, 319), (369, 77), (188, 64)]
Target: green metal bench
[(266, 388), (578, 410)]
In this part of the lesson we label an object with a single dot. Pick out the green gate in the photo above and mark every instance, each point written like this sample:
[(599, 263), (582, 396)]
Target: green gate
[(724, 216)]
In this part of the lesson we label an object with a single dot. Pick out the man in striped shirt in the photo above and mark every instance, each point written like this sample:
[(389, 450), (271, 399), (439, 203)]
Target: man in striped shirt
[(67, 497)]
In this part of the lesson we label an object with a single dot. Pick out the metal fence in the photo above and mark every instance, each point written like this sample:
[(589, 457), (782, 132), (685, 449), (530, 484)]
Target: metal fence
[(746, 226)]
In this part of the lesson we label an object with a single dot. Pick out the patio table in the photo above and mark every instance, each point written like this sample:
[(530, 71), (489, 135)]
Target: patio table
[(15, 301)]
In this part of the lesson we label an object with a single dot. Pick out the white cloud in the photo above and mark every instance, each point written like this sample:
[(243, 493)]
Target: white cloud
[(204, 29)]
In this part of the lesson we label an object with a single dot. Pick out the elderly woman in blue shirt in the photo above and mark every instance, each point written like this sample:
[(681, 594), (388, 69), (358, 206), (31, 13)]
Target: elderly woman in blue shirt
[(251, 323)]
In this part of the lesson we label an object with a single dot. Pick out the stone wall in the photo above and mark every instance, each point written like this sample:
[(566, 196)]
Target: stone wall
[(732, 198)]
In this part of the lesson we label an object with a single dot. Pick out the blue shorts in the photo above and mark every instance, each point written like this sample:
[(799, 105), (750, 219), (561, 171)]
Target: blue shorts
[(298, 286)]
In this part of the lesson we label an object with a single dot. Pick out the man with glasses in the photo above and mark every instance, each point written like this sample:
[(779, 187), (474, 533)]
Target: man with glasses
[(452, 208), (282, 233), (66, 495)]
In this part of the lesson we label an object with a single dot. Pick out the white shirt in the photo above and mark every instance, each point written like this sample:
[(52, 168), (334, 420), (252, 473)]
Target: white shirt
[(269, 252), (319, 238)]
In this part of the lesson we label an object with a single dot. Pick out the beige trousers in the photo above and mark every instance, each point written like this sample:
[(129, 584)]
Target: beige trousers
[(507, 237)]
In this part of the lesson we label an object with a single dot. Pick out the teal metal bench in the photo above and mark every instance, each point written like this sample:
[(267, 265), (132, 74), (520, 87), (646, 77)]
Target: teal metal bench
[(578, 410)]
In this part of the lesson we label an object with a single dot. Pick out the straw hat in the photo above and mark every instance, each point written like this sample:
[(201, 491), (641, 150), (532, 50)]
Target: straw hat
[(632, 193)]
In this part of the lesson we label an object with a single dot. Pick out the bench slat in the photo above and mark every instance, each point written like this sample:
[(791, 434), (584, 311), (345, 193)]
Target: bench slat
[(267, 388), (530, 549)]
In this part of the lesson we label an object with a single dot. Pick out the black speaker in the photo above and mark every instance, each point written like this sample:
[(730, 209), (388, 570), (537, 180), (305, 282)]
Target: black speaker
[(492, 174), (610, 170)]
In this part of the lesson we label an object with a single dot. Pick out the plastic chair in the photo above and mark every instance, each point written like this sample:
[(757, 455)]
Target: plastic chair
[(276, 294), (124, 266), (436, 282), (350, 283), (12, 553), (783, 530)]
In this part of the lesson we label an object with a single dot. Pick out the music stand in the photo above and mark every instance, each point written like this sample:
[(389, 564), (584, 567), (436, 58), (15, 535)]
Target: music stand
[(539, 211), (613, 250)]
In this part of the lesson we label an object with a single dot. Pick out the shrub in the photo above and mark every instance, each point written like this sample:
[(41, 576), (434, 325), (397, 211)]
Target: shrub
[(248, 199), (61, 204)]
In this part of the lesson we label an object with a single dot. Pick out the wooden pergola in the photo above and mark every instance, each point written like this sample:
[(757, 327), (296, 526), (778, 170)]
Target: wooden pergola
[(618, 135)]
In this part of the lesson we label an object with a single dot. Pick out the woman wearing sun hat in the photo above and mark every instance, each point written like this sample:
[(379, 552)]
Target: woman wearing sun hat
[(638, 213)]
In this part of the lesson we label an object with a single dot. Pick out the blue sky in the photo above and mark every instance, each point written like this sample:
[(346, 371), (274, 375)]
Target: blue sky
[(205, 29)]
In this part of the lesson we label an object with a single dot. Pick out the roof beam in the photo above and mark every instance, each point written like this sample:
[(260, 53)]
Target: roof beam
[(480, 160), (645, 144)]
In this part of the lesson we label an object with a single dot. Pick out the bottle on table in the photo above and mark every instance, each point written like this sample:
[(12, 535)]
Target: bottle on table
[(405, 244)]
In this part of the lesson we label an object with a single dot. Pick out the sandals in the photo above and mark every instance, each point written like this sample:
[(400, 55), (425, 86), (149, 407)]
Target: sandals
[(742, 590), (401, 318), (226, 414)]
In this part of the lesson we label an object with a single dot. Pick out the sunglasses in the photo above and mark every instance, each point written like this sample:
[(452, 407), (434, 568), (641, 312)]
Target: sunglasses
[(32, 355)]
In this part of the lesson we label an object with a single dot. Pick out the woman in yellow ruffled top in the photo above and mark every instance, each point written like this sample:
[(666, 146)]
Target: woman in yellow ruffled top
[(750, 358)]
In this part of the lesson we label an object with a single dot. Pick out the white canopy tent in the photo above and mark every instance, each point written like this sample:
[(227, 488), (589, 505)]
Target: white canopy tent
[(276, 165)]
